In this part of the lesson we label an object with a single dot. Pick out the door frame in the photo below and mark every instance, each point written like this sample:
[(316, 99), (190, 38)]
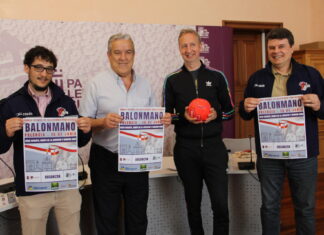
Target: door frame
[(252, 25)]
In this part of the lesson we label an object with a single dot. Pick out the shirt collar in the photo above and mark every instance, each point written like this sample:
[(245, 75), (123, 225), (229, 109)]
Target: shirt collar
[(276, 73), (118, 77)]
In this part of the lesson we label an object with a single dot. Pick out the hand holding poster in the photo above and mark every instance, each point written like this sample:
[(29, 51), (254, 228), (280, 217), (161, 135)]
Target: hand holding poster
[(141, 136), (282, 127), (50, 154)]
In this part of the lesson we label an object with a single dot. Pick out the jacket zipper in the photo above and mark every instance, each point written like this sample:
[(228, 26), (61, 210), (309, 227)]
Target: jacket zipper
[(202, 127)]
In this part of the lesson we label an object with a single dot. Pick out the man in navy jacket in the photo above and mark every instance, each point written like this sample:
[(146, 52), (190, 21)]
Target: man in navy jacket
[(283, 76), (40, 97)]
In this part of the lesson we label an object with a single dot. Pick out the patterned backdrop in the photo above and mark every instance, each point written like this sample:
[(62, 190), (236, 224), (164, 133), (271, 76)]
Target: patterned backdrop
[(81, 51)]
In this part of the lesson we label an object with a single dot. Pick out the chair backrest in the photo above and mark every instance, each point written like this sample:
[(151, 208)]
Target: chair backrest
[(235, 145)]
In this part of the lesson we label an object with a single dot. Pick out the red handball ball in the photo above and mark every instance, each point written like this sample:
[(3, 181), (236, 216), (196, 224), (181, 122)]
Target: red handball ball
[(199, 109)]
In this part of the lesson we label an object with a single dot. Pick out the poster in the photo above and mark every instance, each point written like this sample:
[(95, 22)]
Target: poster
[(50, 154), (140, 140), (282, 127)]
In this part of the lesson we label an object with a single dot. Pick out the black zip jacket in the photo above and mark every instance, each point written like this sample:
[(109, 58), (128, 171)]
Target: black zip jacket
[(180, 90), (303, 80), (21, 104)]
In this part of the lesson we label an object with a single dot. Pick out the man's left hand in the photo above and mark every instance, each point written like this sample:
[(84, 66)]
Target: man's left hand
[(84, 124), (166, 119), (312, 101), (212, 115)]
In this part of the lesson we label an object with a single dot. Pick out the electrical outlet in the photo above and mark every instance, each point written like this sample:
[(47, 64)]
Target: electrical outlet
[(7, 201)]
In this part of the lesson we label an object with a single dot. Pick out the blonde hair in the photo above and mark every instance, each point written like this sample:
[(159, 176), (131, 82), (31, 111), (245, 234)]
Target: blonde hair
[(188, 30)]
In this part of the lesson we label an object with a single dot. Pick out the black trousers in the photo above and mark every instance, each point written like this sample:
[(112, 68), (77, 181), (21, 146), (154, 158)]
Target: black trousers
[(209, 163), (109, 186)]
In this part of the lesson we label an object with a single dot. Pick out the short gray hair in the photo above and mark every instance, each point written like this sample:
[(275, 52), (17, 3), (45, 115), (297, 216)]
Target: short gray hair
[(119, 36), (188, 30)]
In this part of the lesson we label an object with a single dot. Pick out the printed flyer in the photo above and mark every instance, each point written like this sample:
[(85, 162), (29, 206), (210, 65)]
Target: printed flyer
[(50, 154), (141, 137), (282, 127)]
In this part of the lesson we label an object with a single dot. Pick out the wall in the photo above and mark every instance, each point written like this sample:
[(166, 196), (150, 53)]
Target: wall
[(317, 20), (302, 17)]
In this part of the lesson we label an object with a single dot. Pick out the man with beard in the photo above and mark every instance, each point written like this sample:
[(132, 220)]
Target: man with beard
[(40, 97)]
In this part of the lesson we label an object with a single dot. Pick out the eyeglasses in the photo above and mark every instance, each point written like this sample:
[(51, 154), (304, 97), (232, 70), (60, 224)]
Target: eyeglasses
[(40, 68)]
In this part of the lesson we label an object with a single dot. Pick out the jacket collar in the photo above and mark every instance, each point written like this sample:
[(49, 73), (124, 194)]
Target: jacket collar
[(202, 66), (294, 63)]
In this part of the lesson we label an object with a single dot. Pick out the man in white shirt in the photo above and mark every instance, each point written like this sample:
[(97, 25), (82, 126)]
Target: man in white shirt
[(104, 95)]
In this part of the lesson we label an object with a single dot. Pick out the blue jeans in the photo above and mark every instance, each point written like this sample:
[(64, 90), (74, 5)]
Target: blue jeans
[(302, 177)]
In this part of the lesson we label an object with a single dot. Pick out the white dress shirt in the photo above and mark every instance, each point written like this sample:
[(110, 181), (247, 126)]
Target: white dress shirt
[(106, 93)]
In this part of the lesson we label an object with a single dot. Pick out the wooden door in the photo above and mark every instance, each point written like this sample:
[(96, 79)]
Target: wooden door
[(247, 52)]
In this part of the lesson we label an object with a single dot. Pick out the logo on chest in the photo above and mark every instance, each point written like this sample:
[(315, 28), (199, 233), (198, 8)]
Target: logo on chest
[(208, 84), (26, 114), (304, 86), (61, 112), (259, 85)]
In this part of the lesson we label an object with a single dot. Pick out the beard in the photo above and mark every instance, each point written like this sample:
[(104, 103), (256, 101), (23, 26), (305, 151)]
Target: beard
[(38, 88)]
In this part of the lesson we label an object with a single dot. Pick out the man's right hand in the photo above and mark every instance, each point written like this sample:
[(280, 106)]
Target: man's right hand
[(13, 125), (112, 120), (190, 119), (250, 104)]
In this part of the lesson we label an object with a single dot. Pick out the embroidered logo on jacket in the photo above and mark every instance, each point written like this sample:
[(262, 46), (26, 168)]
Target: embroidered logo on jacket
[(259, 85), (208, 83), (61, 112), (304, 86), (24, 114)]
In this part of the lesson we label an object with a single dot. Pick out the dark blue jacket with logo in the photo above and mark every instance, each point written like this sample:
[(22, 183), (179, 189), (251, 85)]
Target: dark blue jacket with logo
[(21, 104), (303, 80)]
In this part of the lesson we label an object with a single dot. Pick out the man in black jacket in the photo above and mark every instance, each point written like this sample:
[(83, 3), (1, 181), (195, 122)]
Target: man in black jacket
[(283, 76), (40, 97), (199, 152)]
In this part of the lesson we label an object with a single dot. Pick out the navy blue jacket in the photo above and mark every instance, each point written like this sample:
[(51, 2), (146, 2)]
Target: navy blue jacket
[(180, 90), (21, 104), (260, 85)]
